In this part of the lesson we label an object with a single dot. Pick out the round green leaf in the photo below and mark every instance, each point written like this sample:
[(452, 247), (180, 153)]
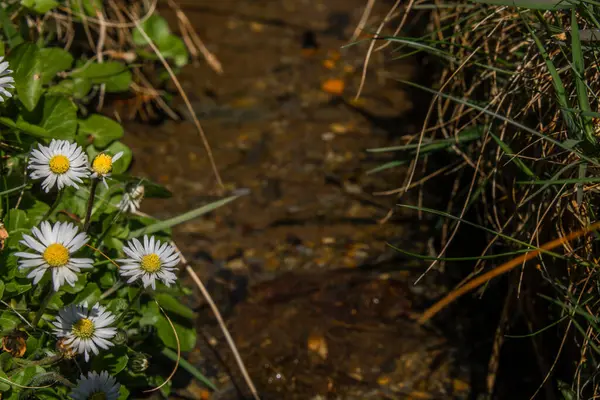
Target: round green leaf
[(59, 117), (54, 60), (115, 75), (173, 47), (91, 294), (40, 6), (113, 361), (156, 27), (104, 130)]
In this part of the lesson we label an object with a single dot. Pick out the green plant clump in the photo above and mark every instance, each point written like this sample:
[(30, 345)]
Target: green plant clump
[(89, 290)]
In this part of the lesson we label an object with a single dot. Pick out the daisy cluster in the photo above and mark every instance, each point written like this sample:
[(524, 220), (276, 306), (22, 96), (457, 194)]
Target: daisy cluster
[(54, 250)]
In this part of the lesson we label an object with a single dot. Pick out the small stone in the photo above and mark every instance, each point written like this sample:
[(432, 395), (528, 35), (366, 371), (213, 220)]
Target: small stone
[(328, 136)]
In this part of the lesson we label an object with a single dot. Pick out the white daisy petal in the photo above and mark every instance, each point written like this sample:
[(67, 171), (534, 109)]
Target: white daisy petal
[(53, 250), (57, 164), (6, 80), (96, 384), (86, 330), (148, 263)]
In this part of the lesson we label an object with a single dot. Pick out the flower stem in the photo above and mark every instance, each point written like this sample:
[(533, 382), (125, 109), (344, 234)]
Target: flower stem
[(90, 205), (43, 306), (54, 205)]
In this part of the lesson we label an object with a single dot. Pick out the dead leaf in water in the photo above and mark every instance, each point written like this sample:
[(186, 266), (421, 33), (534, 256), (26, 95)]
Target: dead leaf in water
[(333, 86), (318, 345)]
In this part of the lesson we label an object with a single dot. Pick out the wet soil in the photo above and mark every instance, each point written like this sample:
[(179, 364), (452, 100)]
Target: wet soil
[(318, 303)]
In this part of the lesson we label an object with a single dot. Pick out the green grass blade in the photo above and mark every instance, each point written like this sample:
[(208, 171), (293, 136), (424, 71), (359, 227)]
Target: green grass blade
[(450, 216), (560, 181), (474, 258), (466, 136), (12, 190), (516, 160), (530, 4), (180, 219), (189, 368), (579, 72), (559, 87), (388, 165)]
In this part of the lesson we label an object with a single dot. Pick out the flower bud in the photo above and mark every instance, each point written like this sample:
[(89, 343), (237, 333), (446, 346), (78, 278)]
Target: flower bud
[(120, 337), (139, 362)]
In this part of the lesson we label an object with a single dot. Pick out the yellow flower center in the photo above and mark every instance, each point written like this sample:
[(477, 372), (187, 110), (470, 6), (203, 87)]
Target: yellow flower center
[(59, 164), (150, 263), (102, 164), (84, 328), (56, 255), (97, 396)]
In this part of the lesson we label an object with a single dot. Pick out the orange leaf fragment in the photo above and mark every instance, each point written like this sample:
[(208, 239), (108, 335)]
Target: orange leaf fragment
[(333, 86)]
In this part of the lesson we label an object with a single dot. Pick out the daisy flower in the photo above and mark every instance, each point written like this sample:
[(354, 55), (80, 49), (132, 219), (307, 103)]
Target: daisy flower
[(6, 80), (62, 164), (96, 386), (85, 329), (54, 247), (149, 262), (132, 198), (103, 164)]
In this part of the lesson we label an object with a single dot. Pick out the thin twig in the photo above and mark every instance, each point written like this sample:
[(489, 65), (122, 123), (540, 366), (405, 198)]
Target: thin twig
[(363, 20), (221, 323)]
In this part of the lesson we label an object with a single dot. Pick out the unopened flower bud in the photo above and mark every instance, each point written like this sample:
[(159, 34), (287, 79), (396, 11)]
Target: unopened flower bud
[(139, 362)]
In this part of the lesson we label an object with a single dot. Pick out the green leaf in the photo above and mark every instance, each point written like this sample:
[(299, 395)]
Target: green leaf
[(113, 361), (15, 288), (25, 127), (186, 334), (173, 47), (8, 322), (104, 130), (26, 62), (161, 225), (40, 6), (54, 60), (150, 314), (15, 220), (3, 385), (78, 287), (531, 4), (78, 87), (11, 33), (156, 27), (25, 376), (123, 393), (115, 75), (90, 7), (91, 294), (59, 117), (107, 280), (169, 303), (1, 289)]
